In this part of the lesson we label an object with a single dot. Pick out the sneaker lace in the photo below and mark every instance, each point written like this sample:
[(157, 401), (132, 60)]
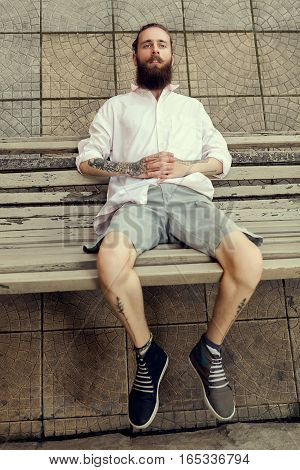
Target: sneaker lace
[(143, 380), (217, 377)]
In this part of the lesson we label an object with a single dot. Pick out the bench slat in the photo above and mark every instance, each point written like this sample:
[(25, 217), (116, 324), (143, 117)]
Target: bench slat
[(54, 144), (93, 209), (45, 179), (272, 228), (18, 283), (76, 249), (220, 192), (76, 261)]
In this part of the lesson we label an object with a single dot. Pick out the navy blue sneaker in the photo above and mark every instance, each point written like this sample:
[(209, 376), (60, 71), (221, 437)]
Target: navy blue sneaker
[(217, 391), (143, 398)]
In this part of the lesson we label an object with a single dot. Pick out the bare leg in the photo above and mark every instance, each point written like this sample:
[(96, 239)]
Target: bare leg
[(242, 264), (121, 285)]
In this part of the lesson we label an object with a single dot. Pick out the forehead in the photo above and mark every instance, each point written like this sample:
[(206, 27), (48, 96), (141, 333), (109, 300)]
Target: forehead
[(154, 34)]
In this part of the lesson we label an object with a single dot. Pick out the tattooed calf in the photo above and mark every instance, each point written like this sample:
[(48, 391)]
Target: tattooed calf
[(122, 317)]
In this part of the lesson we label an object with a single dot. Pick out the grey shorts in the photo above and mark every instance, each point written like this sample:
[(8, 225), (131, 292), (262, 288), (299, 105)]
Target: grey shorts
[(174, 214)]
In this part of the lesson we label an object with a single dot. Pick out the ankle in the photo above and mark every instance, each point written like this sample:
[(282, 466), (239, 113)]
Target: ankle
[(208, 342), (141, 351)]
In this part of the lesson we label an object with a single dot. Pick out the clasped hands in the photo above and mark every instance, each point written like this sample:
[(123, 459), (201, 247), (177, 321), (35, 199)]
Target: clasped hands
[(162, 165)]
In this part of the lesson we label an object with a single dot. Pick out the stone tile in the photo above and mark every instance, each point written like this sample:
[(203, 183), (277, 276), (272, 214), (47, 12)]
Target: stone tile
[(20, 16), (236, 114), (212, 15), (89, 309), (292, 292), (77, 65), (177, 420), (276, 15), (85, 373), (85, 425), (279, 63), (76, 310), (266, 412), (20, 371), (282, 113), (132, 15), (259, 363), (20, 312), (266, 302), (222, 64), (180, 389), (19, 66), (295, 338), (126, 69), (68, 117), (175, 304), (71, 15), (17, 430), (19, 118)]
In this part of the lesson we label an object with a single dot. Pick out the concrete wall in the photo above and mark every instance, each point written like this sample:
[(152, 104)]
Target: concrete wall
[(65, 363)]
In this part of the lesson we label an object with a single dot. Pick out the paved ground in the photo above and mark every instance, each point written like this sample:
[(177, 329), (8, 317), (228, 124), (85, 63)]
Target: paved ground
[(232, 436)]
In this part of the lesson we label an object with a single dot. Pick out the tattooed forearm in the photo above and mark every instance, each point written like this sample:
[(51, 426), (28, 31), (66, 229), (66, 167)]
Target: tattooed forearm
[(124, 168), (122, 317)]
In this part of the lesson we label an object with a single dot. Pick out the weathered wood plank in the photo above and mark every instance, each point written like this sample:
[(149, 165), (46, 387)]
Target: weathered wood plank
[(17, 283), (73, 178), (233, 192), (94, 208), (54, 161), (67, 262), (76, 249), (264, 228), (56, 144)]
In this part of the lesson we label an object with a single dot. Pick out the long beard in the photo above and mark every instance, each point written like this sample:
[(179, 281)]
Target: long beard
[(155, 78)]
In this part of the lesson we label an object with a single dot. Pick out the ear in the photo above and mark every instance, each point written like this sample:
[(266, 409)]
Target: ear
[(173, 59), (134, 58)]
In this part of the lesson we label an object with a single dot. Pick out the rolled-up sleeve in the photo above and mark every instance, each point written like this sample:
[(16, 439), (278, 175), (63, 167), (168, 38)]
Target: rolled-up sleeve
[(99, 144), (214, 144)]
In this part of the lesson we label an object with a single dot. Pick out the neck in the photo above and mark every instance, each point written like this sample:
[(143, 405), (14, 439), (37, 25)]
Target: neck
[(156, 94)]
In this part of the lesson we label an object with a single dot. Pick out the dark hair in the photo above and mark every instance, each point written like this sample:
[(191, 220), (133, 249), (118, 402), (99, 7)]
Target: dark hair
[(150, 25)]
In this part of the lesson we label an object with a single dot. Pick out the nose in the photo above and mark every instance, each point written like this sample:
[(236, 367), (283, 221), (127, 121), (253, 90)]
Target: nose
[(155, 49)]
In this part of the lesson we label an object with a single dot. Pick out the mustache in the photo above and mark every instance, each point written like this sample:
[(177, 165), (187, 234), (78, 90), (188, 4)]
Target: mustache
[(158, 59)]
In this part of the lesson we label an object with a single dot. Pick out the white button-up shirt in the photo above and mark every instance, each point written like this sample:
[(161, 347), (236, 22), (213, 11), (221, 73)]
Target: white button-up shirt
[(134, 125)]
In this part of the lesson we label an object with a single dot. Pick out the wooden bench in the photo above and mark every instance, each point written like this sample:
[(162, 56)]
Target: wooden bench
[(47, 210)]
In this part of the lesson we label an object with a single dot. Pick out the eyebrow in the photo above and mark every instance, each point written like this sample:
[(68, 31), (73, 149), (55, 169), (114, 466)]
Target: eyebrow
[(150, 40)]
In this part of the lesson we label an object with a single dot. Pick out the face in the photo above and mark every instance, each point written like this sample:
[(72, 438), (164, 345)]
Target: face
[(154, 59)]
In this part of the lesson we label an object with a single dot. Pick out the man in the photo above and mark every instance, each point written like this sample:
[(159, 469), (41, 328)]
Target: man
[(162, 148)]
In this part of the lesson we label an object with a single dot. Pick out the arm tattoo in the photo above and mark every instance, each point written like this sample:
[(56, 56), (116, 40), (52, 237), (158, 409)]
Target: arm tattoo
[(124, 168)]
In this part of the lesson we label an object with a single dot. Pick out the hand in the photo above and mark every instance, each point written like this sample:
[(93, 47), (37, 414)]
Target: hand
[(179, 171), (157, 165)]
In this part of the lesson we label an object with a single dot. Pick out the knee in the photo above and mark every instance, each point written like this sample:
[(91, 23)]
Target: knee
[(115, 259), (247, 267)]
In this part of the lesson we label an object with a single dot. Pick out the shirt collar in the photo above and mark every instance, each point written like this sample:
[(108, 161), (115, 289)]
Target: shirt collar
[(169, 87)]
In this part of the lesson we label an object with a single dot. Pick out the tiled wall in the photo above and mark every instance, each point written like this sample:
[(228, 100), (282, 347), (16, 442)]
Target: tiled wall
[(60, 59)]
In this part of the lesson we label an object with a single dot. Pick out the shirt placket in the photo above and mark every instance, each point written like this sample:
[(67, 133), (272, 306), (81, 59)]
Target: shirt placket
[(161, 127)]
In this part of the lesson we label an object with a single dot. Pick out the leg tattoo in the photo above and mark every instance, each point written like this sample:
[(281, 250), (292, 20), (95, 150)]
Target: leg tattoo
[(239, 309), (123, 318)]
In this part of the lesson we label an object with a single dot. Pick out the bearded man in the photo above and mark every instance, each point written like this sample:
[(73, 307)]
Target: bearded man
[(160, 149)]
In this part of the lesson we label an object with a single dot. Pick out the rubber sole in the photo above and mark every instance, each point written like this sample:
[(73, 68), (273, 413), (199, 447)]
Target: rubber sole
[(220, 418), (144, 426)]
